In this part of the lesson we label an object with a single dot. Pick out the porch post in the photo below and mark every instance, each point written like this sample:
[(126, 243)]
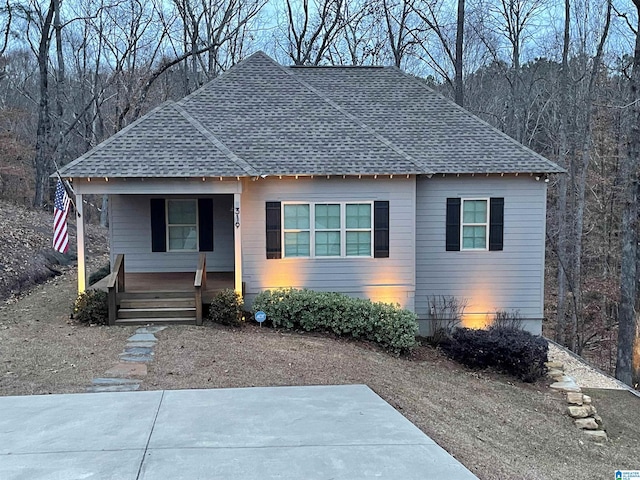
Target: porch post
[(82, 272), (237, 242)]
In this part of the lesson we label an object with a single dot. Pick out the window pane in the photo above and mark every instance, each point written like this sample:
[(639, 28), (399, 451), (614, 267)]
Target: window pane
[(475, 211), (182, 211), (358, 244), (296, 244), (296, 216), (182, 238), (327, 216), (327, 244), (474, 237), (358, 215)]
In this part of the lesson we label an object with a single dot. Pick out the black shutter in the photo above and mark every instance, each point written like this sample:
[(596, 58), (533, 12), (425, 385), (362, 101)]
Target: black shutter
[(381, 229), (453, 224), (158, 225), (205, 224), (496, 223), (274, 242)]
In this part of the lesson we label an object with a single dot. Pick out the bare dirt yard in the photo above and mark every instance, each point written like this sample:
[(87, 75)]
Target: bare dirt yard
[(495, 425)]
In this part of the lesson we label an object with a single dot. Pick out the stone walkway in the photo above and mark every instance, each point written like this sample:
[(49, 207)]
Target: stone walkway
[(127, 375)]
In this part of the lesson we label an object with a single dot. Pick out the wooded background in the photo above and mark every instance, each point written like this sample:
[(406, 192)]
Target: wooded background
[(560, 77)]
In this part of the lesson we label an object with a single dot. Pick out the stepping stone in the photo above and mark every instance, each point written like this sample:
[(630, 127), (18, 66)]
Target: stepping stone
[(142, 337), (127, 370), (114, 388), (141, 344), (113, 381), (135, 358), (151, 329), (138, 350)]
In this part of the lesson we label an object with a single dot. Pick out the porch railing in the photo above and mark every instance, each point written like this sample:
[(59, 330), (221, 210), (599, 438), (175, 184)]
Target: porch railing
[(114, 286), (200, 283)]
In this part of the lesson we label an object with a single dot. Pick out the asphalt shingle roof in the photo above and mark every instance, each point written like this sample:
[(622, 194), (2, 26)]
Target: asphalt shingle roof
[(260, 118)]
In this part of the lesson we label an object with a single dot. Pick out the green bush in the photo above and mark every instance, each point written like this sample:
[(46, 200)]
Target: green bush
[(92, 307), (227, 308), (99, 274), (508, 350), (390, 326)]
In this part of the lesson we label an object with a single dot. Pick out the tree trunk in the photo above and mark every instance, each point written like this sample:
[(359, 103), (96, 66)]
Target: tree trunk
[(44, 152), (628, 280), (458, 85)]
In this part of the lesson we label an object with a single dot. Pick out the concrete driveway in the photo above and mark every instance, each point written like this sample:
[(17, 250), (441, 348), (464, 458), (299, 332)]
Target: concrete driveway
[(303, 433)]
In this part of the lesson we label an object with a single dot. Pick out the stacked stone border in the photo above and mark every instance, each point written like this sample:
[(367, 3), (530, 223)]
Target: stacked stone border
[(580, 408)]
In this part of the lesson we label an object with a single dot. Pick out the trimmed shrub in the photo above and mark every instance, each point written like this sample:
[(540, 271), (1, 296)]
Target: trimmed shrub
[(508, 350), (91, 307), (390, 326), (227, 308), (99, 274)]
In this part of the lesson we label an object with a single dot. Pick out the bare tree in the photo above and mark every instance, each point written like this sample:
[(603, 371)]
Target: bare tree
[(312, 29), (626, 371)]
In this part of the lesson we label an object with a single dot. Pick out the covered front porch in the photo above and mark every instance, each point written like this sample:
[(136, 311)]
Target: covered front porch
[(174, 244)]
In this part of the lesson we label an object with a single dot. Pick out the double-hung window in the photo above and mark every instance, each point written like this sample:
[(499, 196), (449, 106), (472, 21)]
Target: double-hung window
[(182, 225), (297, 230), (475, 224), (327, 229)]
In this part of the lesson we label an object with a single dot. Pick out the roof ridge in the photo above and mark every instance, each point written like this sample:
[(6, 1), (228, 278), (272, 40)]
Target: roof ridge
[(467, 112), (243, 164), (113, 137), (221, 75), (385, 141)]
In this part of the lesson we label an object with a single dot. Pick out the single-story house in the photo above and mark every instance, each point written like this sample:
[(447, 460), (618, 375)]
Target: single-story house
[(359, 180)]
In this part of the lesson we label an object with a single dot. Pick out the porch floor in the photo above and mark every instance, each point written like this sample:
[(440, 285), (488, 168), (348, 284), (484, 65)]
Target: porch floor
[(172, 282)]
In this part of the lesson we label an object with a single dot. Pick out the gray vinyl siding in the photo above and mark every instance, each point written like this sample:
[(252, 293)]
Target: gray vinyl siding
[(511, 279), (386, 279), (130, 232)]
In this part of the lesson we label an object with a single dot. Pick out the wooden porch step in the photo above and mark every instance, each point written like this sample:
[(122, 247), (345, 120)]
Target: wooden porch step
[(158, 303), (171, 312), (155, 295), (157, 321)]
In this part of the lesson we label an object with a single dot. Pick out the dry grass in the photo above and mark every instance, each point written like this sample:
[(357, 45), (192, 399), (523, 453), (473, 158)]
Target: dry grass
[(498, 427)]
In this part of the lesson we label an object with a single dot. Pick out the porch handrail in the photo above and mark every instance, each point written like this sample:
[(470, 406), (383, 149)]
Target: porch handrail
[(115, 285), (198, 284)]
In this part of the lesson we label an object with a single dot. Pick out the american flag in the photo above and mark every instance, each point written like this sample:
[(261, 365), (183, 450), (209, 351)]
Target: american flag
[(60, 211)]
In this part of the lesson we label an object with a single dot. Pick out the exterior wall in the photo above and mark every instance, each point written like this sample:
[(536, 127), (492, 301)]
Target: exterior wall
[(130, 233), (511, 279), (381, 279)]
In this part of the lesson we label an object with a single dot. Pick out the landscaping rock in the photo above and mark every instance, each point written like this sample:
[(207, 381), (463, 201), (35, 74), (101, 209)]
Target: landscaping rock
[(586, 423), (578, 412), (599, 436), (554, 365), (575, 398), (554, 373), (586, 399), (598, 420), (566, 384)]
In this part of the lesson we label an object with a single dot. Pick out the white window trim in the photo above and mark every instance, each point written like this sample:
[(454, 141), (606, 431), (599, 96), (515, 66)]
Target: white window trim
[(343, 228), (484, 224), (166, 212)]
